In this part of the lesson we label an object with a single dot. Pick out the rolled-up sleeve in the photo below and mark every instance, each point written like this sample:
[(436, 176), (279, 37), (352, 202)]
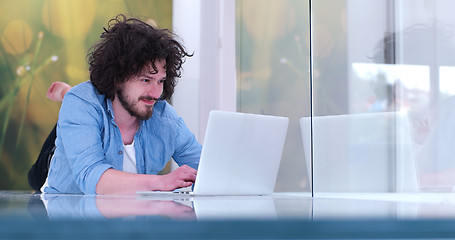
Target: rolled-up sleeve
[(187, 148), (80, 129)]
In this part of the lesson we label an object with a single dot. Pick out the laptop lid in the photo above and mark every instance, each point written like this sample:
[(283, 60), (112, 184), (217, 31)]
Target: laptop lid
[(241, 154)]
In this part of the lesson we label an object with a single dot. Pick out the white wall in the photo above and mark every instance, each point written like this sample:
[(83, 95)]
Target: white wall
[(207, 28)]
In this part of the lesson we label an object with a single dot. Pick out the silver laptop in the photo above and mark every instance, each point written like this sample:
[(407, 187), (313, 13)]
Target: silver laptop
[(371, 152), (241, 155)]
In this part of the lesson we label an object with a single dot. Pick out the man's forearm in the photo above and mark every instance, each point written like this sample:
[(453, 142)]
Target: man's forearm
[(118, 182)]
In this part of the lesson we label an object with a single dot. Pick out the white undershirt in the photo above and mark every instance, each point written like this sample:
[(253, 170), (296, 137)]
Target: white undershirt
[(129, 158)]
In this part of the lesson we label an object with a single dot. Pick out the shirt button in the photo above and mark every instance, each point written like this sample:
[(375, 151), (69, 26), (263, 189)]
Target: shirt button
[(120, 152)]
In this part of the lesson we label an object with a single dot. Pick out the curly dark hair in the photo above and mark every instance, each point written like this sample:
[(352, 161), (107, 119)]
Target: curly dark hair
[(126, 46)]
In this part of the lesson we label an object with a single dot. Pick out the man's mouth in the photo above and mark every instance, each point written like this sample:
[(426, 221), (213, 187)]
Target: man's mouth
[(148, 100)]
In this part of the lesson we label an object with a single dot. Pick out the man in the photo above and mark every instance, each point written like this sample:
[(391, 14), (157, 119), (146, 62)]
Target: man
[(116, 132)]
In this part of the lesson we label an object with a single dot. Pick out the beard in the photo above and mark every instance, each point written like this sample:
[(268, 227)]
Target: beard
[(131, 106)]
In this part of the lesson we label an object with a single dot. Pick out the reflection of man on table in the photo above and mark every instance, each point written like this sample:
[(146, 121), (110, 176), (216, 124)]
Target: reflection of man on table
[(113, 207)]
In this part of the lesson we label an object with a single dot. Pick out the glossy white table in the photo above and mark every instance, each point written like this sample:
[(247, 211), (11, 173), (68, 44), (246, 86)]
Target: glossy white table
[(278, 216)]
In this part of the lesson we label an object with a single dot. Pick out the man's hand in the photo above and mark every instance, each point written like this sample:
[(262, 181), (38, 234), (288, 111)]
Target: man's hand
[(181, 177)]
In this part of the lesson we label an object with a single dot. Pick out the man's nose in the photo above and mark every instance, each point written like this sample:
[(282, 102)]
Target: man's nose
[(155, 90)]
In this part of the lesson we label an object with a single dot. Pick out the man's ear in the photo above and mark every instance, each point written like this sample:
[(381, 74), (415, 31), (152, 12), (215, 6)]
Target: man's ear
[(117, 86)]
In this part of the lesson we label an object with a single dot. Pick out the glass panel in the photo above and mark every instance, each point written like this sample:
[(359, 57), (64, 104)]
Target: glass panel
[(383, 87), (273, 74)]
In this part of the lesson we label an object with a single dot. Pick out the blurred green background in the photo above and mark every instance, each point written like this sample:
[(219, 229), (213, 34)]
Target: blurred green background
[(43, 41)]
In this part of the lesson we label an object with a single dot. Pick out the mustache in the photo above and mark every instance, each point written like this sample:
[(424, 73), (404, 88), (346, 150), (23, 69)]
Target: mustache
[(148, 98)]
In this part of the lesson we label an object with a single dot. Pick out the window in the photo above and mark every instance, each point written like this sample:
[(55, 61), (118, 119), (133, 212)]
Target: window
[(273, 74), (380, 94)]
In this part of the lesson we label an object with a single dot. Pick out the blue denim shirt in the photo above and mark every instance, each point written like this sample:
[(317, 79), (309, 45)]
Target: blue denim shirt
[(89, 142)]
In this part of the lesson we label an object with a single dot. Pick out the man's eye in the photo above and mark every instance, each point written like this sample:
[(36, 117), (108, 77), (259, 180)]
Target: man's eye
[(145, 80), (162, 80)]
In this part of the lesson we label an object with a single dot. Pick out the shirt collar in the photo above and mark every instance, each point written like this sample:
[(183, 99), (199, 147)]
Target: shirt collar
[(110, 109)]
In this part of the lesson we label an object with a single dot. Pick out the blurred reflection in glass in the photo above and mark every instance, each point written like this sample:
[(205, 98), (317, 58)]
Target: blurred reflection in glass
[(422, 85)]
